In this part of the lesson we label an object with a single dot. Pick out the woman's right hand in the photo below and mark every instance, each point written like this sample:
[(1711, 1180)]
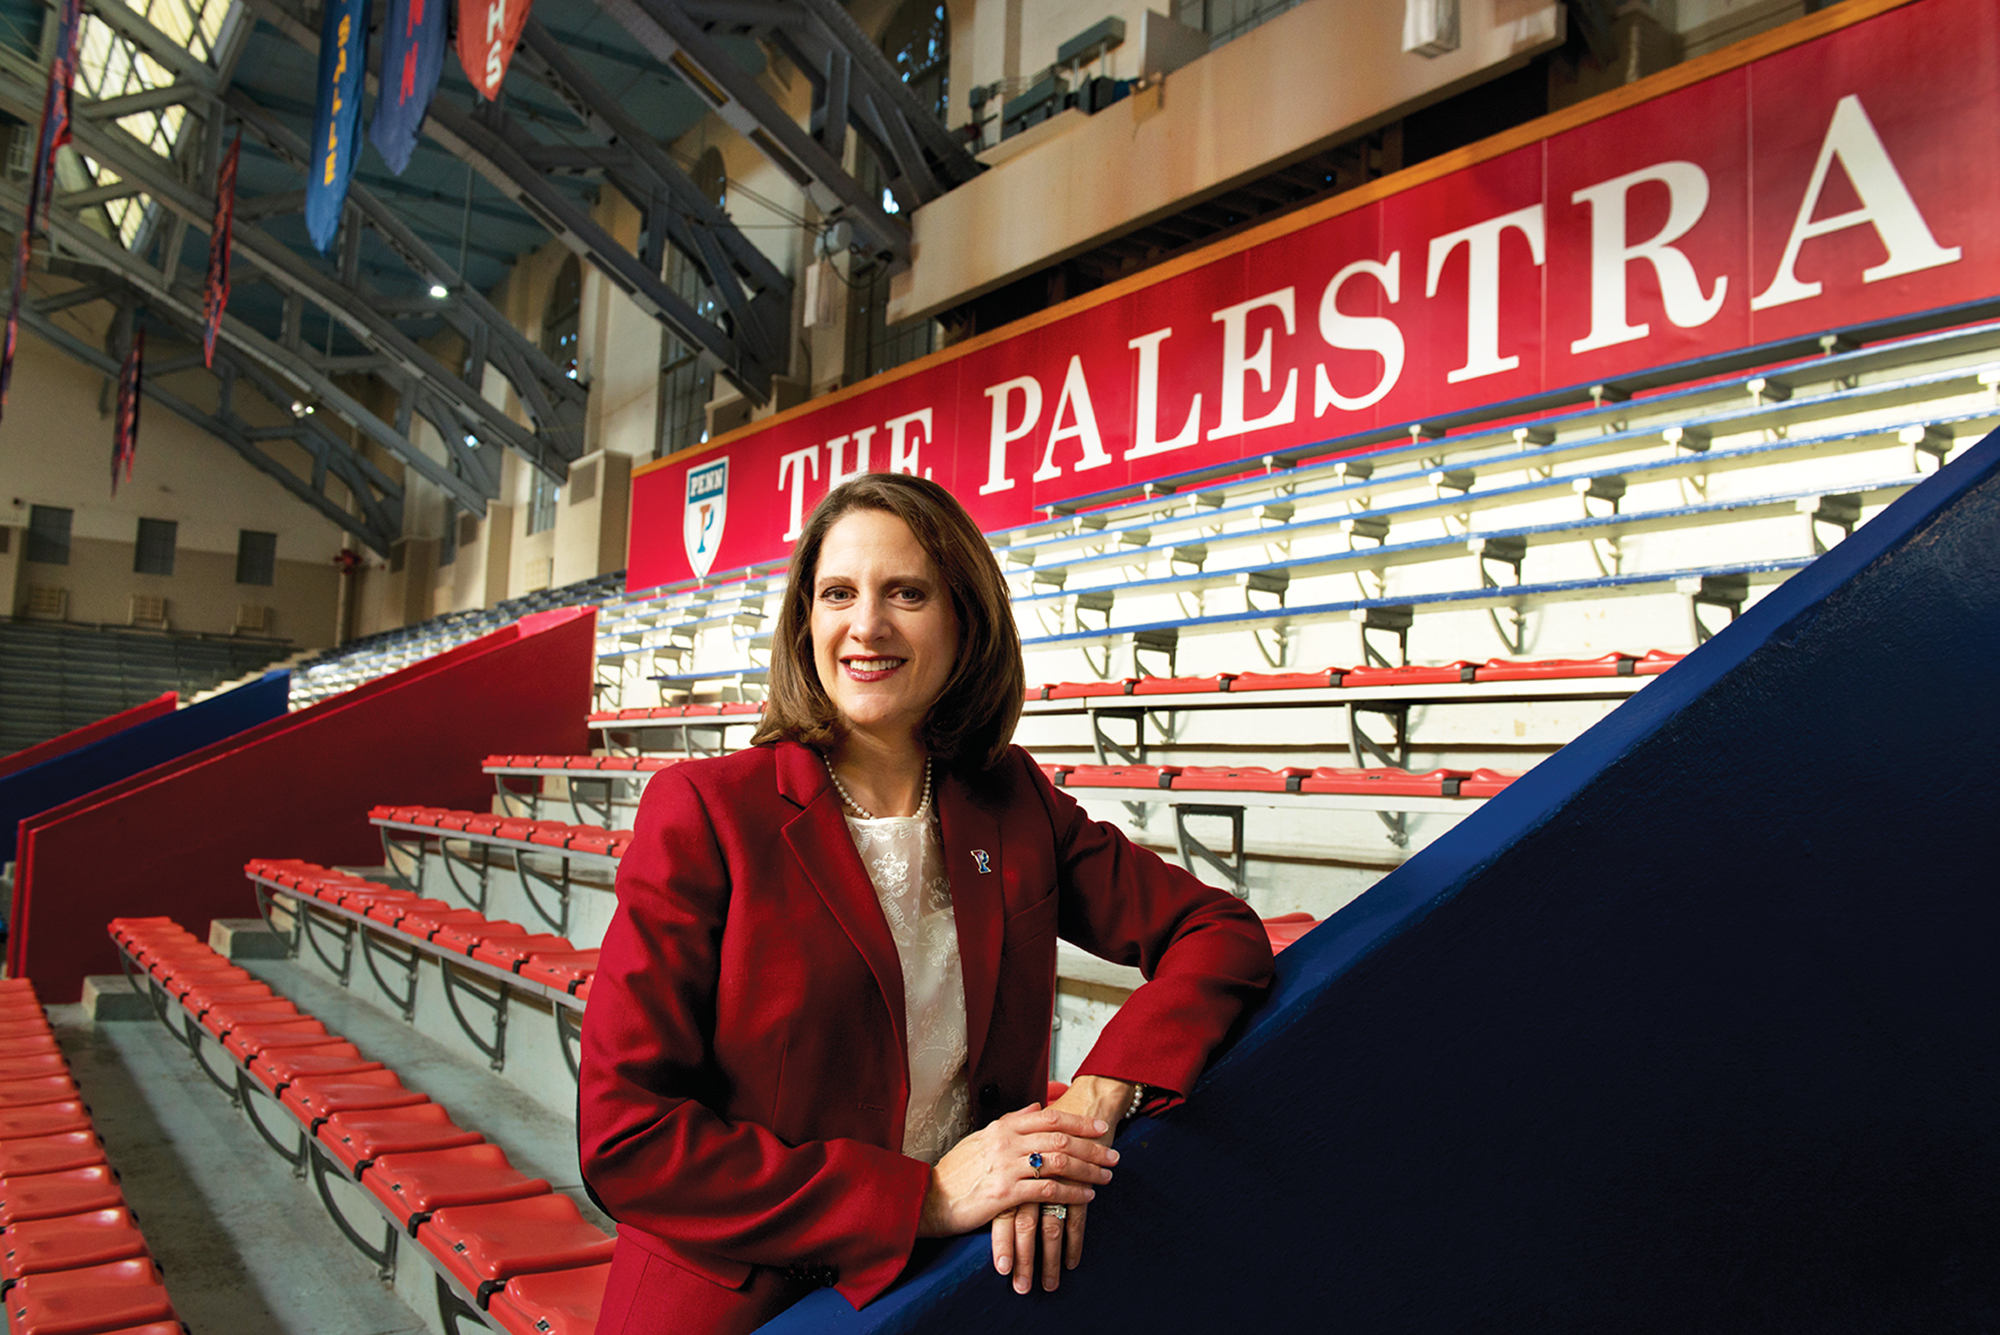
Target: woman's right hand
[(988, 1173)]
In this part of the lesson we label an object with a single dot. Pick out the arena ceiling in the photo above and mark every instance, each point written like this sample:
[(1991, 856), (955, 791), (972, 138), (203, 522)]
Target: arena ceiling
[(597, 93)]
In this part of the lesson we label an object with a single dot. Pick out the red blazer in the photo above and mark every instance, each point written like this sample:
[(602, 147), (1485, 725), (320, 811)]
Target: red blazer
[(743, 1072)]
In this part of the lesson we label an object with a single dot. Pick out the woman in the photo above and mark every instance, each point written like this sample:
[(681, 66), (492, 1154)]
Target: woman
[(820, 1023)]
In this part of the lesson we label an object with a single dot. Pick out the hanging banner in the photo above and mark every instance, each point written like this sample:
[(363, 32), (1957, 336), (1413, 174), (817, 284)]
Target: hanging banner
[(215, 290), (412, 60), (41, 184), (1749, 204), (487, 32), (125, 434), (343, 58)]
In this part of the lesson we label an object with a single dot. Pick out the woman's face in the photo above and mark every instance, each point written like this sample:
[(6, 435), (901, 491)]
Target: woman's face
[(883, 631)]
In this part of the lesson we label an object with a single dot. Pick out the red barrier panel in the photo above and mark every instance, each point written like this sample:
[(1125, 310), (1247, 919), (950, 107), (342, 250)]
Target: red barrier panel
[(174, 839), (88, 733)]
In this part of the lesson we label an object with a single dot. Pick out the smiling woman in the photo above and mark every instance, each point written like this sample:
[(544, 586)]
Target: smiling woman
[(819, 1029)]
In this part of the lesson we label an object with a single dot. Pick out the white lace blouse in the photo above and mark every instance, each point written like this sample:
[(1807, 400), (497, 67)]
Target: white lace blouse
[(904, 856)]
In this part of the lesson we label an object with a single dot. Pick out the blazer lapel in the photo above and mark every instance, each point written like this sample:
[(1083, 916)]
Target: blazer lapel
[(973, 851), (819, 839)]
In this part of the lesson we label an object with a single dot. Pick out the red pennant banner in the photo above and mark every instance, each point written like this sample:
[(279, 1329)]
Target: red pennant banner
[(125, 434), (41, 188), (215, 291), (487, 32)]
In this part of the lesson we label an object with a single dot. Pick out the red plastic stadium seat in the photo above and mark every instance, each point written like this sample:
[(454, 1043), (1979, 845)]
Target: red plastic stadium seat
[(69, 1243), (432, 921), (1239, 778), (27, 1043), (202, 997), (484, 1246), (29, 1093), (56, 1153), (219, 1020), (1055, 773), (511, 952), (32, 1066), (1412, 675), (654, 764), (94, 1299), (1120, 776), (43, 1119), (356, 1139), (1486, 782), (555, 1302), (620, 841), (1658, 661), (605, 715), (1387, 780), (1285, 681), (657, 711), (53, 1195), (416, 1186), (1287, 928), (1074, 690), (393, 911), (1181, 685), (517, 828), (742, 707), (701, 711), (582, 990), (486, 824), (277, 1069), (250, 1040), (1504, 669), (461, 938), (563, 970), (312, 1099)]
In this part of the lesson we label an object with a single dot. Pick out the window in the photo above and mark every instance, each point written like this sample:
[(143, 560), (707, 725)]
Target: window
[(48, 535), (686, 384), (873, 344), (918, 43), (542, 503), (153, 554), (256, 557), (1225, 20), (562, 317), (109, 66)]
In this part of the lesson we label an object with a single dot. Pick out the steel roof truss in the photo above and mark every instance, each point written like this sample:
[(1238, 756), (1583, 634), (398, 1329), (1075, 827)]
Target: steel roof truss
[(381, 520)]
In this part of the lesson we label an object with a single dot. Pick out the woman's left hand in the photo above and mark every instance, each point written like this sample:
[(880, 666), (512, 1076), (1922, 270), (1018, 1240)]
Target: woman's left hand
[(1022, 1235)]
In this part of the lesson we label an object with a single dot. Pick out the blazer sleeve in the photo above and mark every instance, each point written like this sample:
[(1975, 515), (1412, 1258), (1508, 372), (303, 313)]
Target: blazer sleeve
[(655, 1153), (1204, 953)]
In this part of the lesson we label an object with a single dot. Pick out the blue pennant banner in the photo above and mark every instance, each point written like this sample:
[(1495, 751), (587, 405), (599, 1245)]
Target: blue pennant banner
[(412, 60), (343, 57)]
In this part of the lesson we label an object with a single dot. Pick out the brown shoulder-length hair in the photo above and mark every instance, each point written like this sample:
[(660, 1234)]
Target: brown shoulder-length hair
[(972, 723)]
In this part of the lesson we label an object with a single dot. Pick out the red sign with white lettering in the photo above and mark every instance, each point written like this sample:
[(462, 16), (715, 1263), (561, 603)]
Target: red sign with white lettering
[(1838, 182)]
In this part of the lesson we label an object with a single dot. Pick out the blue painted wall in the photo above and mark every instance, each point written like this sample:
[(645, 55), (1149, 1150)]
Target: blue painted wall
[(137, 748), (1694, 1028)]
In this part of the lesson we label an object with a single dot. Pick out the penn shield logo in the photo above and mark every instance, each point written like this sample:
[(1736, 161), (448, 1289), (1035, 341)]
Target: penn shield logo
[(707, 508)]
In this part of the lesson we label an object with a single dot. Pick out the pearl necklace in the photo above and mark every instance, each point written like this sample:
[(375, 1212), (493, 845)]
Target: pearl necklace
[(923, 807)]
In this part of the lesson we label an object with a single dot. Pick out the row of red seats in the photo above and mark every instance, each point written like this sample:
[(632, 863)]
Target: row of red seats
[(539, 957), (640, 764), (522, 1251), (1387, 780), (734, 707), (71, 1256), (1493, 669), (553, 834)]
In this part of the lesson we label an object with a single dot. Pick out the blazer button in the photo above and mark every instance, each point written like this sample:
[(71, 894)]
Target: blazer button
[(989, 1094)]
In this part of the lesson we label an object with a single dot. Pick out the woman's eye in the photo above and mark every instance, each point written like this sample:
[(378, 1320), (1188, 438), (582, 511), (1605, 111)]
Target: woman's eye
[(835, 595)]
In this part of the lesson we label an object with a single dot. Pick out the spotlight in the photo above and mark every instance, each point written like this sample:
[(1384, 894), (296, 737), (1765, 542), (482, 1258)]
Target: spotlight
[(440, 291)]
